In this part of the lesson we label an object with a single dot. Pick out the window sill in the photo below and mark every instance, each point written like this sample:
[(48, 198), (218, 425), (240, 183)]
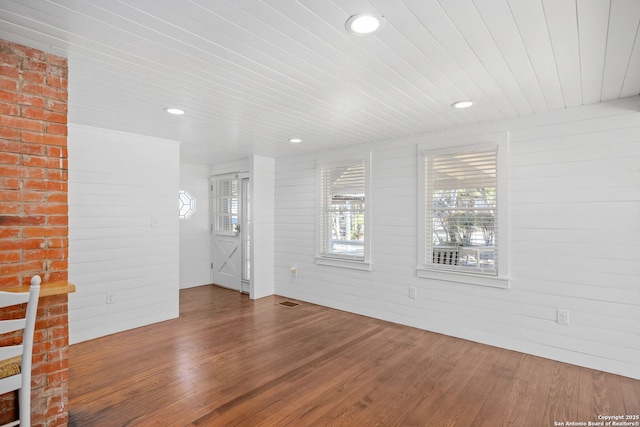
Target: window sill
[(464, 278), (344, 263)]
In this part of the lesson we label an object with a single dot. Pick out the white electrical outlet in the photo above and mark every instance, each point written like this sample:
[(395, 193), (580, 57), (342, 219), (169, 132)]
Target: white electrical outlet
[(111, 298), (413, 292), (562, 317)]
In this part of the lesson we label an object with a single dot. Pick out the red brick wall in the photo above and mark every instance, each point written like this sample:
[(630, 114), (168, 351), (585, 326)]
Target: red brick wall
[(33, 211)]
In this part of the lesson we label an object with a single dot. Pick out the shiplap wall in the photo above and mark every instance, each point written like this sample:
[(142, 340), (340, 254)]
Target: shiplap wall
[(574, 234), (118, 183), (262, 226), (195, 240)]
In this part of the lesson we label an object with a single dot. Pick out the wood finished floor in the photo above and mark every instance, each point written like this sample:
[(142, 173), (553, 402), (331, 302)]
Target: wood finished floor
[(231, 361)]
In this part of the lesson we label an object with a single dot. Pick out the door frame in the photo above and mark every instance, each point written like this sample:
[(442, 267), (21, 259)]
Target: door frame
[(245, 230), (242, 286)]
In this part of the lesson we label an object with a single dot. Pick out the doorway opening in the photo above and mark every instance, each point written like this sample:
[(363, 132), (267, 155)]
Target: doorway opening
[(230, 232)]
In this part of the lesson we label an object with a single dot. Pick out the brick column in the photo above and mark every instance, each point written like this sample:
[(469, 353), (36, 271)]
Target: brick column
[(33, 212)]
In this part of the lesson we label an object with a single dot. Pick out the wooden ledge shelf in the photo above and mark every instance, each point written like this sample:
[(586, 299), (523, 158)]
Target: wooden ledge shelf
[(60, 287)]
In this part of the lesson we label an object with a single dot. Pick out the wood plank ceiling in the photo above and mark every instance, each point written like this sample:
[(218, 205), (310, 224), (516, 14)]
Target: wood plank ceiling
[(253, 73)]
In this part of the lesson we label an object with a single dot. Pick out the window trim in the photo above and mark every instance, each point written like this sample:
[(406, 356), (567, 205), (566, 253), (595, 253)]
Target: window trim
[(181, 203), (428, 270), (335, 260)]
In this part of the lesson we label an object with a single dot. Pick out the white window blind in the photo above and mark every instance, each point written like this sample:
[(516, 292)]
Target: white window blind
[(225, 206), (342, 224), (461, 211)]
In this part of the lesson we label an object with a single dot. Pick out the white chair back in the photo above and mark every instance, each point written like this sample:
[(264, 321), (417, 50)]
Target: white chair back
[(15, 360)]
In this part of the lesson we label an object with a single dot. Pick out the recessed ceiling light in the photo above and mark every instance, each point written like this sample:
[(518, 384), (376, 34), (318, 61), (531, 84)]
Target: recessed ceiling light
[(462, 104), (174, 111), (295, 140), (364, 24)]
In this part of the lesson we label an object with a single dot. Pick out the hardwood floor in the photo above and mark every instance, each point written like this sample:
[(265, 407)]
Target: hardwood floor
[(231, 361)]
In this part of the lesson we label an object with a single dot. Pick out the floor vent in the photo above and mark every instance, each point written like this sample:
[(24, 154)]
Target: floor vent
[(289, 304)]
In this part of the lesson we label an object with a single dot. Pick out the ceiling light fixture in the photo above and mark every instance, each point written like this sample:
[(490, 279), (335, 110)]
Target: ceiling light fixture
[(364, 24), (462, 104), (176, 111), (295, 140)]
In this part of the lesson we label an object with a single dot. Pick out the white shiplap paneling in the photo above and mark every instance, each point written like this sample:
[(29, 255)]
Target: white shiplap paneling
[(195, 242), (562, 254), (262, 226), (118, 184)]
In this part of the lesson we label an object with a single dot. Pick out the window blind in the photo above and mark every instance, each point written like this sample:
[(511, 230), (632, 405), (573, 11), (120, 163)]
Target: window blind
[(343, 211), (225, 205), (461, 205)]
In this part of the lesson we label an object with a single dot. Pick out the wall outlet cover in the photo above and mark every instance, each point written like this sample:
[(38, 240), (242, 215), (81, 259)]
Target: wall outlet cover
[(562, 317)]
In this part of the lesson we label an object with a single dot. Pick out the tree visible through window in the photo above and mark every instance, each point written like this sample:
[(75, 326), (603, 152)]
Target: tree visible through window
[(461, 211), (343, 211)]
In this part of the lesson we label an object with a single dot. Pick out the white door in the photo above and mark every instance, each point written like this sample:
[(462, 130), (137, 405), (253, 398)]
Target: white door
[(226, 233)]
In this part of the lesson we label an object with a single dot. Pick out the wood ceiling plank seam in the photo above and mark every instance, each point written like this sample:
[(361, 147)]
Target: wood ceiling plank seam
[(415, 64), (344, 73), (10, 30), (532, 26), (149, 127), (448, 33), (340, 89), (23, 16), (593, 28), (434, 103), (413, 31), (338, 135), (389, 77), (289, 88), (61, 17), (267, 146), (266, 42), (276, 82), (435, 19), (625, 18), (410, 64), (460, 85), (518, 35), (237, 142), (240, 100), (417, 59), (275, 66), (32, 37), (631, 85), (468, 22), (562, 24), (63, 32), (272, 82), (500, 24)]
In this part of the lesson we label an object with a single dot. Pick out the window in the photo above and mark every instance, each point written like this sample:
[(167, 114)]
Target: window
[(344, 225), (461, 216), (186, 204), (225, 206)]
